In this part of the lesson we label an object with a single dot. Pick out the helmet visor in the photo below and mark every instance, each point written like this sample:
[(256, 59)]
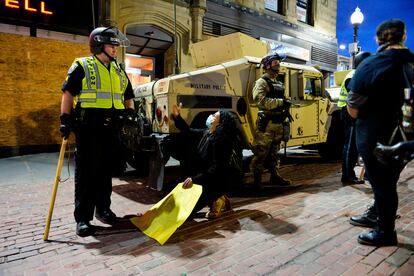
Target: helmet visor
[(113, 36)]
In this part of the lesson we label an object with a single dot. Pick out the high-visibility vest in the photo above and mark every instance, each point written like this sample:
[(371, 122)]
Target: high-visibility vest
[(101, 88), (343, 95)]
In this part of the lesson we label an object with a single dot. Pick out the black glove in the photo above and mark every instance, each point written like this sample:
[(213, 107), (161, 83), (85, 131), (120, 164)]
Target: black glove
[(286, 104), (130, 114), (66, 124)]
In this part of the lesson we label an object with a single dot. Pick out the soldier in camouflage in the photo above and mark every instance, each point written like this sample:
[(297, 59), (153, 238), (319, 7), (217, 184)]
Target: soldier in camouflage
[(268, 93)]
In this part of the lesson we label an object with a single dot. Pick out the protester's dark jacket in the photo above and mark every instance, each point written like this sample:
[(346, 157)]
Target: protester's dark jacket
[(212, 153), (377, 88), (379, 81)]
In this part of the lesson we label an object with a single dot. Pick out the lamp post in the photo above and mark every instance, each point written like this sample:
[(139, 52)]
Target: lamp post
[(356, 19)]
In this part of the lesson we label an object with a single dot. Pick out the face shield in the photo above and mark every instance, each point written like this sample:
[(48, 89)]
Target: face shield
[(113, 36)]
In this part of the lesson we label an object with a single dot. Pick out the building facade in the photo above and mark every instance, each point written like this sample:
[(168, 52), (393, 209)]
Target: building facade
[(39, 49), (304, 29)]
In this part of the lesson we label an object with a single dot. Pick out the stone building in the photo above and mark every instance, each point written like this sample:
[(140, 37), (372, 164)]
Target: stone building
[(39, 50)]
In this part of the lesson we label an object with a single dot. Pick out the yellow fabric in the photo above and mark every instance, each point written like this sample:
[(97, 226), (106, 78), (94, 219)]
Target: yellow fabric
[(343, 95), (161, 221)]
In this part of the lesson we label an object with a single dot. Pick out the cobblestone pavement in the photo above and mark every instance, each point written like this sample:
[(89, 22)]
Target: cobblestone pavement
[(294, 231)]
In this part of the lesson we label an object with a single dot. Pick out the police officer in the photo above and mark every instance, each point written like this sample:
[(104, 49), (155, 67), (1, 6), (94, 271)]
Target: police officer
[(268, 93), (349, 153), (375, 99), (96, 95)]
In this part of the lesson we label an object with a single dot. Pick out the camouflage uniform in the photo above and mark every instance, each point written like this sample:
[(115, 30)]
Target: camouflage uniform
[(266, 144)]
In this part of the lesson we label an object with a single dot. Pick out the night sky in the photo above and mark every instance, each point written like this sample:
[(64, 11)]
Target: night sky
[(375, 12)]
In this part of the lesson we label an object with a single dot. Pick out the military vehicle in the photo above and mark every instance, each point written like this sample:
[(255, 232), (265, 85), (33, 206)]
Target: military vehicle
[(229, 66)]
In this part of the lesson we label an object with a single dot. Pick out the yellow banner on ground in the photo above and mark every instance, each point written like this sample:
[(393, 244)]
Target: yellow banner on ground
[(161, 221)]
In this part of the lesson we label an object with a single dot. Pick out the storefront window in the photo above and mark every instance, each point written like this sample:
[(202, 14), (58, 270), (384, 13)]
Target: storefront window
[(139, 69)]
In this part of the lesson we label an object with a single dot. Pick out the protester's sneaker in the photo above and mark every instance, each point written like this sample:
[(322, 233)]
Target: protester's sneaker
[(367, 219)]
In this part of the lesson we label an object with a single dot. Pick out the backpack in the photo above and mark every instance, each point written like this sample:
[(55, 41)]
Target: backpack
[(407, 108)]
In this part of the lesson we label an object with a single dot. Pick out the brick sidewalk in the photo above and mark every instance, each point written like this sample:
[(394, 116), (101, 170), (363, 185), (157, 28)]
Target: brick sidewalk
[(299, 231)]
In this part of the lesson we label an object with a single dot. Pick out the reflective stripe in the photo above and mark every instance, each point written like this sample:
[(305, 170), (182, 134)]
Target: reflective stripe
[(98, 77), (87, 73), (120, 79), (89, 100), (87, 96), (117, 96), (103, 95), (88, 91)]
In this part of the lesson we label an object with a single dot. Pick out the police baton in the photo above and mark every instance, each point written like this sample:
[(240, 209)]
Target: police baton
[(55, 186)]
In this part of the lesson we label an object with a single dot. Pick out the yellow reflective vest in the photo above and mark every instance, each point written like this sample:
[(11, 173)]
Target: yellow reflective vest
[(101, 88), (343, 95)]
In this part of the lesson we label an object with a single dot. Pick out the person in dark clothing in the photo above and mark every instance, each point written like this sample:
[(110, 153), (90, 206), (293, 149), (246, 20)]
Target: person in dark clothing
[(349, 152), (96, 93), (375, 99), (211, 159)]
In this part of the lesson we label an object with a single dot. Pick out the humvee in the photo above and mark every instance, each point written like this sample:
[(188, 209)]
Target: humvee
[(229, 66)]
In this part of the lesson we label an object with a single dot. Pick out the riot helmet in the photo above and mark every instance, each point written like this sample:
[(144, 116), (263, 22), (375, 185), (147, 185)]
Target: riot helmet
[(360, 57), (106, 35)]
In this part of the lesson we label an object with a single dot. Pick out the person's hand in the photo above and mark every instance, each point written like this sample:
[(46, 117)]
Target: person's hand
[(130, 114), (188, 183), (286, 104), (176, 110), (65, 125)]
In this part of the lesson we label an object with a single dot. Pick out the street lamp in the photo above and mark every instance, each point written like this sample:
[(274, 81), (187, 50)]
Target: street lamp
[(356, 19)]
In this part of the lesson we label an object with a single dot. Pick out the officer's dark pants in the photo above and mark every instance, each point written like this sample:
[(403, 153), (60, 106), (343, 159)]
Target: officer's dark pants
[(350, 152), (383, 179), (95, 146)]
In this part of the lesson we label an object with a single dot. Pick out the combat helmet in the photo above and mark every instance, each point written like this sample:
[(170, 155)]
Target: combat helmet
[(267, 60)]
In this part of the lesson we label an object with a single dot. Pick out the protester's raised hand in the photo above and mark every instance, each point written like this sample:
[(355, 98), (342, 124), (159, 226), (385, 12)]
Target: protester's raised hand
[(188, 183), (176, 109)]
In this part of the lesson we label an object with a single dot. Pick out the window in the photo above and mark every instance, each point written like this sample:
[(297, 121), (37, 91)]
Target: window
[(304, 11), (139, 69), (275, 5), (313, 87)]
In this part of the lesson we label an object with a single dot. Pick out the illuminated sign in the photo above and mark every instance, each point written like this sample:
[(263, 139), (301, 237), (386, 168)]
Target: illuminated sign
[(15, 4), (70, 16)]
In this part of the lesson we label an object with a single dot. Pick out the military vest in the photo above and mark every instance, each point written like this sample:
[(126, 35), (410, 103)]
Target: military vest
[(273, 92)]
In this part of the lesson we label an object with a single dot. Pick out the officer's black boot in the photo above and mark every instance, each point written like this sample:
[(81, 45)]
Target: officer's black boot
[(257, 182)]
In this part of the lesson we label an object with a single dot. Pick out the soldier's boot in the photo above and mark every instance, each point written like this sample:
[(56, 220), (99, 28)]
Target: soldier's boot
[(277, 180), (257, 181)]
